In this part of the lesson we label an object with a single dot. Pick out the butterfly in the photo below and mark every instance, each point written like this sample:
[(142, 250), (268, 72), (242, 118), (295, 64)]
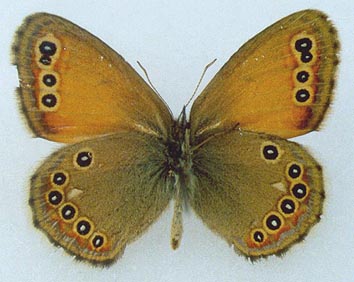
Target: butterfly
[(127, 157)]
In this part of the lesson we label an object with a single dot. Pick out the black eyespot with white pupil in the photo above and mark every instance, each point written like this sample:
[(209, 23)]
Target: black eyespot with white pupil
[(45, 60), (303, 44), (273, 222), (258, 236), (68, 212), (270, 152), (83, 227), (55, 197), (84, 159), (98, 241), (302, 76), (306, 57), (294, 171), (299, 190), (49, 100), (47, 48), (287, 206), (49, 80), (302, 95), (59, 178)]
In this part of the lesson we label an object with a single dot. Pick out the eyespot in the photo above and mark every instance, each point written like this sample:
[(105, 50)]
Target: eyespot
[(83, 159), (258, 236), (48, 48), (273, 221), (55, 197), (270, 151), (306, 57), (299, 190), (68, 212), (294, 170), (45, 60), (60, 178), (49, 102), (83, 226), (302, 95), (49, 80), (288, 206), (303, 45), (98, 240), (302, 76)]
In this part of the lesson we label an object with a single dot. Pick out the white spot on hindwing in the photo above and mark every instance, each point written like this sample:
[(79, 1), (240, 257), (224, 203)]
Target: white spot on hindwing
[(280, 186), (74, 193)]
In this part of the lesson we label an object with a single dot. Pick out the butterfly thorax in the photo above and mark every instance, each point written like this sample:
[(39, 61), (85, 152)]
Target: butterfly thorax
[(178, 152)]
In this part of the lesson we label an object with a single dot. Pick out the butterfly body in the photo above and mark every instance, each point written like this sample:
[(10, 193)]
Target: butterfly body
[(127, 157)]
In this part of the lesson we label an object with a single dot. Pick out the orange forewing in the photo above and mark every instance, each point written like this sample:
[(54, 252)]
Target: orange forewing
[(255, 89), (97, 91)]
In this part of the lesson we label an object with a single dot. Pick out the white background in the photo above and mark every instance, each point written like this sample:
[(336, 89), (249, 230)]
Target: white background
[(174, 42)]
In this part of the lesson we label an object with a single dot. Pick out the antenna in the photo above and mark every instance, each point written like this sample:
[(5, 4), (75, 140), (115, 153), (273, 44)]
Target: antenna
[(200, 81), (148, 78)]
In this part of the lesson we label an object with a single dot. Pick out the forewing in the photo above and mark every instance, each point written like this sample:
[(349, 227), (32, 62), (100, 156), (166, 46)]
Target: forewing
[(280, 82), (73, 86)]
